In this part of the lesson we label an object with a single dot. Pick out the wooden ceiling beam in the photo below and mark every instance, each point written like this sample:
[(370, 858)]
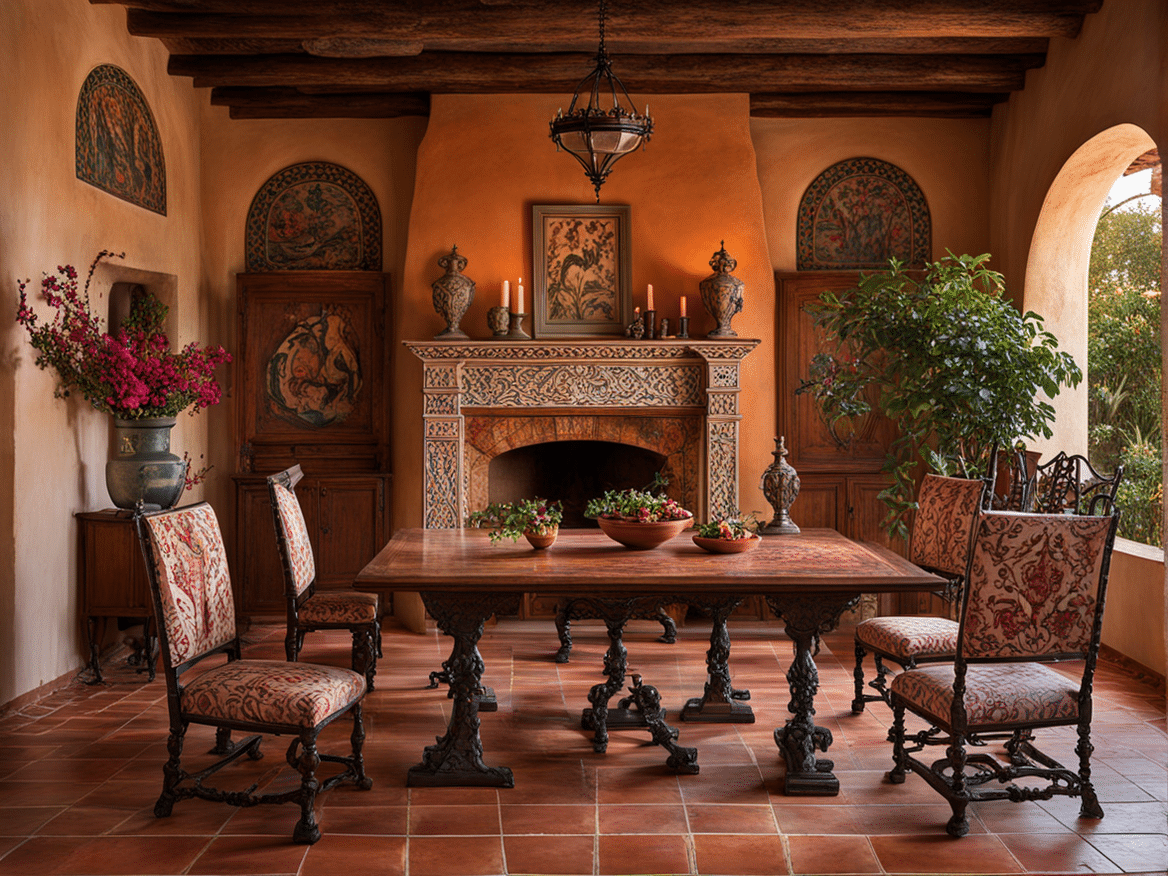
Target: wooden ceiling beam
[(949, 105), (289, 103), (526, 22), (642, 74), (360, 47)]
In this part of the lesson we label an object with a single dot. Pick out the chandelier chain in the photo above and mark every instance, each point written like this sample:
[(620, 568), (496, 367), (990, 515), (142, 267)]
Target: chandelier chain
[(602, 15)]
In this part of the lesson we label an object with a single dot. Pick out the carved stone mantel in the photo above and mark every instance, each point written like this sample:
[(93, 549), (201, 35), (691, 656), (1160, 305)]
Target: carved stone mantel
[(698, 378)]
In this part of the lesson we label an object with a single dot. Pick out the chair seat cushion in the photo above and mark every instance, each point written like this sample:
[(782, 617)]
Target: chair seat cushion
[(271, 692), (339, 607), (909, 637), (995, 694)]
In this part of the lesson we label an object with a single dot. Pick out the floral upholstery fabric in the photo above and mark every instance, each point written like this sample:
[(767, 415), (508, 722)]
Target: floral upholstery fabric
[(1034, 584), (300, 558), (995, 693), (198, 611), (271, 692), (909, 637), (946, 510), (342, 608)]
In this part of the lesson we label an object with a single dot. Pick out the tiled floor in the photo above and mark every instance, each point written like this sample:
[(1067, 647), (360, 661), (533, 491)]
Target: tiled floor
[(80, 771)]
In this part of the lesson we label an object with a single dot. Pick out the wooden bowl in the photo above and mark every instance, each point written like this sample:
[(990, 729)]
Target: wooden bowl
[(642, 536), (726, 545)]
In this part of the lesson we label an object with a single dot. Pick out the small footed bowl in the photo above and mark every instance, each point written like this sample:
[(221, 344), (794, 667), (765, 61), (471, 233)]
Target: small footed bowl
[(726, 545), (642, 536), (540, 541)]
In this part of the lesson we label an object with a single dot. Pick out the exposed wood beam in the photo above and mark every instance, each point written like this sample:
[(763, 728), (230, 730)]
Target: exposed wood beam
[(284, 103), (360, 47), (645, 74), (881, 103), (717, 20)]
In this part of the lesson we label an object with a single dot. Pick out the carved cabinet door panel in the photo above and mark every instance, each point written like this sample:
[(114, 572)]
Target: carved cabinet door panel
[(351, 527)]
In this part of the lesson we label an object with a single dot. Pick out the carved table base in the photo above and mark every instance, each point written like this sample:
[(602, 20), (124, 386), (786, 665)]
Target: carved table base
[(806, 618), (721, 703), (456, 758), (570, 609)]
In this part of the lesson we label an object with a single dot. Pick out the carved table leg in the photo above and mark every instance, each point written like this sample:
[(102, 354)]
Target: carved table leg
[(564, 629), (721, 703), (615, 662), (456, 758), (807, 617)]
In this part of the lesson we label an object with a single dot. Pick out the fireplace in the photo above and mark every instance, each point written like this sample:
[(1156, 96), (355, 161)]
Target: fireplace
[(673, 403)]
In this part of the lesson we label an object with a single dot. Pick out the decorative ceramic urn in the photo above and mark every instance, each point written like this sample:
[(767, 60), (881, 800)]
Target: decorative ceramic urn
[(780, 485), (453, 294), (722, 293), (142, 467)]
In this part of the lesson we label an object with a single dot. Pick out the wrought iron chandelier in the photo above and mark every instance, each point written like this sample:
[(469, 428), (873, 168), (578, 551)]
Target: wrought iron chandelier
[(595, 136)]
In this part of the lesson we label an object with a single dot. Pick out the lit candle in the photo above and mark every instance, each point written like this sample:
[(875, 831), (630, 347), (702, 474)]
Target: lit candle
[(649, 297), (506, 300), (683, 313), (519, 296), (636, 312)]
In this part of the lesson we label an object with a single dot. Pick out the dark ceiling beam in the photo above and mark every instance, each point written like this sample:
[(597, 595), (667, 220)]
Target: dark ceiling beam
[(467, 26), (288, 103), (642, 74), (946, 105), (359, 47), (520, 22)]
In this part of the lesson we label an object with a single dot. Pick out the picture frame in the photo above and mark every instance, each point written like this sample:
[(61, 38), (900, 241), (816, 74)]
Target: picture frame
[(581, 278)]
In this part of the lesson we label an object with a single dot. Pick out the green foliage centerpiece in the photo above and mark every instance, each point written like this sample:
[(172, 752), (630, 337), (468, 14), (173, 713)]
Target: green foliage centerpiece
[(538, 520), (946, 357), (728, 535)]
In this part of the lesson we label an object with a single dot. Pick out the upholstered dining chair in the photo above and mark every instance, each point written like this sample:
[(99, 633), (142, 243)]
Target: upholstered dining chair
[(1034, 593), (946, 511), (195, 612), (309, 609)]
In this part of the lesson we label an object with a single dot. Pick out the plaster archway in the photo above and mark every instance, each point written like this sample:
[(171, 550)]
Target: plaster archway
[(1060, 254)]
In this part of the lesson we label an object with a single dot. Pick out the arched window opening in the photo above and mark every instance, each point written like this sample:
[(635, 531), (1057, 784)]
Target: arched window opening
[(1124, 346)]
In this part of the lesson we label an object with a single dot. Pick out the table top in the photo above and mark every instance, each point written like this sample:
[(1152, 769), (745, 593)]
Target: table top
[(586, 560)]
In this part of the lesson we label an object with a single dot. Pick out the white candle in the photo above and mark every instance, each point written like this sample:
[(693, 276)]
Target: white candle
[(649, 297), (506, 300), (683, 313), (519, 296)]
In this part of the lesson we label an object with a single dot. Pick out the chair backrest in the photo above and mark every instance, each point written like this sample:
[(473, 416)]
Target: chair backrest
[(1013, 472), (1070, 484), (292, 532), (943, 526), (189, 582), (1035, 586)]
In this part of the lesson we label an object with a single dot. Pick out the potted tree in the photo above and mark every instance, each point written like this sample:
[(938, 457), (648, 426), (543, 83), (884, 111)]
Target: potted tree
[(947, 358)]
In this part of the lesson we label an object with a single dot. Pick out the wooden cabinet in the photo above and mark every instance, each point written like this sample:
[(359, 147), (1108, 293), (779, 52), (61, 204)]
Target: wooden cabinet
[(840, 478), (312, 377), (112, 575), (347, 518)]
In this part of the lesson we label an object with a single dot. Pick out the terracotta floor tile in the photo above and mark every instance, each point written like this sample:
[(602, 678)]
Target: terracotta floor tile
[(571, 855), (938, 853), (56, 793), (473, 856), (740, 855), (639, 854), (1063, 852), (103, 856), (731, 818), (191, 820), (383, 855), (243, 855), (832, 854), (735, 783), (539, 819), (641, 818), (1135, 853), (637, 785), (84, 821), (454, 820), (25, 820)]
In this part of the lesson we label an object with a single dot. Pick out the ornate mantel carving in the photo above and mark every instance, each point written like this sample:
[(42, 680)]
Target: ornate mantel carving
[(665, 378)]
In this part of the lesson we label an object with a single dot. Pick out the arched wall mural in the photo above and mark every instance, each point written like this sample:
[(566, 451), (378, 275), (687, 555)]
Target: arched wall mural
[(858, 214), (1060, 254)]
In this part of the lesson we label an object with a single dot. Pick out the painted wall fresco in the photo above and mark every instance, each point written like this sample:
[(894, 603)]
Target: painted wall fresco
[(314, 216), (858, 214), (118, 149)]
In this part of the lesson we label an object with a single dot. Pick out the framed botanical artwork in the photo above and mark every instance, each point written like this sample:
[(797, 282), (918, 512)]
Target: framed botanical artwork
[(581, 277)]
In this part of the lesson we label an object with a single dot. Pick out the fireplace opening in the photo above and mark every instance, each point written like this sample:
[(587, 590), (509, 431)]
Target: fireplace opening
[(572, 472)]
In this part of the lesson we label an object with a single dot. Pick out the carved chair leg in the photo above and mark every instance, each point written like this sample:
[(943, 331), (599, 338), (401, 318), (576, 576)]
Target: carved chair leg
[(171, 771), (358, 741), (564, 631), (669, 628), (1089, 807), (307, 831), (377, 633), (292, 645), (958, 824), (858, 676), (899, 756)]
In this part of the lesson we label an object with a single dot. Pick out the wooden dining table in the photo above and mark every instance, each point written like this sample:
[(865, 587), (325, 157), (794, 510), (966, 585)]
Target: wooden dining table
[(808, 580)]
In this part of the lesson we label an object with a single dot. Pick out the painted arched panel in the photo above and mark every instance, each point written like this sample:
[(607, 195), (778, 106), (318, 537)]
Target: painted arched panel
[(858, 214)]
